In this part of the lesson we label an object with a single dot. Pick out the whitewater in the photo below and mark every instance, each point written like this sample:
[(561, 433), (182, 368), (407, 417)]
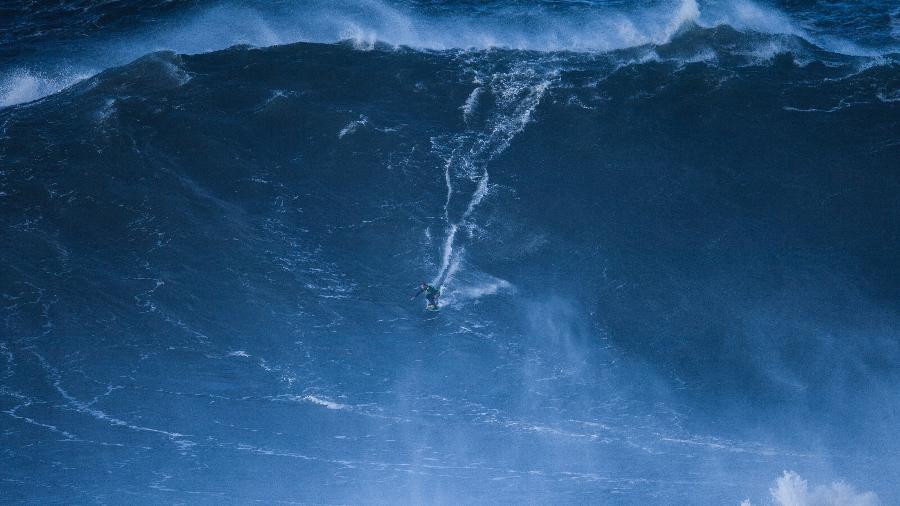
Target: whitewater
[(34, 72), (665, 236)]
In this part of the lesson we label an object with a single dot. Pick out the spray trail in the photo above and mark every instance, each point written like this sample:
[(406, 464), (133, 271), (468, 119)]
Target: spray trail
[(517, 93)]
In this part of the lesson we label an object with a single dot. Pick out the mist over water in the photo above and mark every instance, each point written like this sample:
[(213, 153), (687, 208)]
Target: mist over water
[(665, 238)]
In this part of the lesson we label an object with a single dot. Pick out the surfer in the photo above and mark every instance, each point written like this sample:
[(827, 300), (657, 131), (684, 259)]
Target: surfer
[(431, 294)]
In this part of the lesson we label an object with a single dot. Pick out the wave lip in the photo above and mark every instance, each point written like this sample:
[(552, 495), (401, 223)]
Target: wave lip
[(540, 26)]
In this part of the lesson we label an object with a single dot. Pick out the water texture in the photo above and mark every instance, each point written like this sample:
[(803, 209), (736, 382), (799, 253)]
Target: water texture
[(666, 237)]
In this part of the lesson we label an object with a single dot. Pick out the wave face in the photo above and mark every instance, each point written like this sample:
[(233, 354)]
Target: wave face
[(666, 240)]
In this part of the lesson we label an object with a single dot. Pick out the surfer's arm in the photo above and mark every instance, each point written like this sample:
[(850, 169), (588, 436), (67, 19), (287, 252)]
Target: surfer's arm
[(417, 294)]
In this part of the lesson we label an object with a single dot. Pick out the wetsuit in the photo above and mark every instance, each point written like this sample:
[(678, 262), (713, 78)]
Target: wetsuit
[(431, 293)]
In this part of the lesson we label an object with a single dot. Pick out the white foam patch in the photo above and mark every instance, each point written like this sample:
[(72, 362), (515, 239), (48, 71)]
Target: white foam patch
[(22, 85), (318, 401), (353, 126), (468, 108), (766, 51), (325, 402), (238, 353), (792, 490)]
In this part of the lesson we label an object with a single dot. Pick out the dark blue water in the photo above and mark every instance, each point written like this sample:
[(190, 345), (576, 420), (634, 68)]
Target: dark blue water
[(666, 238)]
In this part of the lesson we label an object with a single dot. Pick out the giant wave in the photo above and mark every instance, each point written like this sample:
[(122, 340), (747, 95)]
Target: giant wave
[(668, 267)]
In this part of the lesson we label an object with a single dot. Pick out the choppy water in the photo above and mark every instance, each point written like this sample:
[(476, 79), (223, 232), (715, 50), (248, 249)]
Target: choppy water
[(666, 234)]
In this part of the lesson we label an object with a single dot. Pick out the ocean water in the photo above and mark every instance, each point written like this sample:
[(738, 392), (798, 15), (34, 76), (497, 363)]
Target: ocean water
[(666, 235)]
